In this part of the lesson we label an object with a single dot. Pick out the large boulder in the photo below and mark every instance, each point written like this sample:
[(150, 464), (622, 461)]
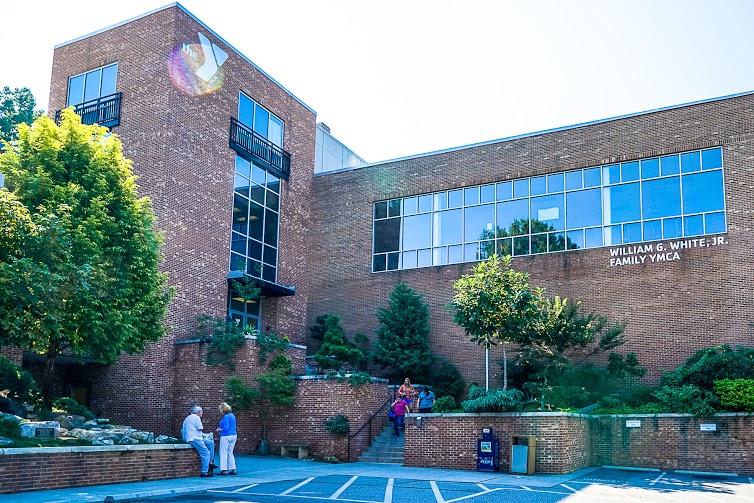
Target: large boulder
[(5, 441), (40, 429), (70, 421), (164, 439), (12, 407)]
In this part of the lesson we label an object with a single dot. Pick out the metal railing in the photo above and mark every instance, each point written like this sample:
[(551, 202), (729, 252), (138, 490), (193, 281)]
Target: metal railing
[(104, 111), (256, 148), (379, 420)]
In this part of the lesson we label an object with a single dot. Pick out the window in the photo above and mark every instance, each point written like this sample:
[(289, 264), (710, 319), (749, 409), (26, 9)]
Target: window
[(260, 120), (92, 85), (244, 313), (666, 197)]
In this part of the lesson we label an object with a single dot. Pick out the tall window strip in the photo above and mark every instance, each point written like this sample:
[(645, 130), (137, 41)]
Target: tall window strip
[(666, 197), (92, 85)]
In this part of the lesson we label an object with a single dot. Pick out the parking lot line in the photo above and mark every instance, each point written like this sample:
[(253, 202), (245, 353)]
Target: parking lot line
[(343, 488), (569, 488), (389, 491), (301, 484), (657, 479), (244, 488)]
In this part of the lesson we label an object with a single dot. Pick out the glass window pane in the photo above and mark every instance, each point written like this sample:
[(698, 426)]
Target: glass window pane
[(240, 214), (245, 110), (504, 247), (650, 168), (270, 255), (632, 233), (447, 227), (417, 231), (539, 243), (261, 121), (556, 241), (241, 185), (393, 261), (379, 263), (592, 177), (258, 174), (470, 252), (547, 213), (583, 208), (254, 268), (575, 240), (513, 218), (276, 131), (237, 262), (504, 191), (672, 228), (273, 183), (690, 162), (712, 158), (409, 260), (273, 201), (255, 249), (669, 165), (270, 228), (455, 254), (486, 249), (521, 188), (693, 226), (109, 74), (611, 174), (479, 222), (555, 183), (269, 273), (380, 209), (521, 246), (425, 203), (538, 186), (703, 192), (76, 90), (394, 208), (573, 180), (439, 256), (652, 230), (256, 219), (471, 196), (91, 86), (252, 308), (387, 235), (425, 258), (593, 237), (714, 223), (238, 243), (409, 205), (257, 193), (440, 200), (629, 171), (455, 198), (621, 203), (612, 235), (487, 194), (661, 197), (243, 167)]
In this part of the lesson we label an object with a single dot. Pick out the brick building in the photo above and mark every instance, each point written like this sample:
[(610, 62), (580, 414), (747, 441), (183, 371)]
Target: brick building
[(645, 217)]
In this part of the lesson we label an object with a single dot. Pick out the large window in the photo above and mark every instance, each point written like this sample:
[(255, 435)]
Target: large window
[(92, 85), (260, 120), (668, 197)]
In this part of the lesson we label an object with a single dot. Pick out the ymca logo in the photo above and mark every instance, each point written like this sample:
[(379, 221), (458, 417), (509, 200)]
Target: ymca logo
[(214, 57)]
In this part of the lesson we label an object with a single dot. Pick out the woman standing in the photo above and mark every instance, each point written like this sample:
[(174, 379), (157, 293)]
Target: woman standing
[(228, 437), (408, 392)]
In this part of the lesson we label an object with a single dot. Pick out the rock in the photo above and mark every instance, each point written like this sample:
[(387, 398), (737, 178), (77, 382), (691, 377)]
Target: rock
[(164, 439), (91, 423), (70, 421), (146, 437), (103, 442), (63, 432), (127, 441), (44, 429), (5, 441), (6, 415), (96, 435), (12, 407), (102, 420)]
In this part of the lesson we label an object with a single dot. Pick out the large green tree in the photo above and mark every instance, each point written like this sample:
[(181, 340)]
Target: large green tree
[(336, 351), (16, 107), (402, 337), (78, 254), (495, 304)]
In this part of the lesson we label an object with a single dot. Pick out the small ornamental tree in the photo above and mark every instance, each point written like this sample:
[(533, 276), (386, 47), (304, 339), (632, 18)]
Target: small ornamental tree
[(495, 304), (16, 107), (402, 337), (79, 258), (336, 351)]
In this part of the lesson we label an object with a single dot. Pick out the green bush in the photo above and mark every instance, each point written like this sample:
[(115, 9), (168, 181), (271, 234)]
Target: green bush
[(447, 379), (71, 406), (614, 405), (19, 383), (338, 425), (713, 364), (445, 404), (10, 428), (736, 394), (494, 400), (687, 399)]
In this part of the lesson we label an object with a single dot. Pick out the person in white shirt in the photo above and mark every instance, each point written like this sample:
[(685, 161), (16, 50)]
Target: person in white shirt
[(192, 433)]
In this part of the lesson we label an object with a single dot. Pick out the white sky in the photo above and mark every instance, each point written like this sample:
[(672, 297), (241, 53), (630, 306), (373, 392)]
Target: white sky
[(397, 78)]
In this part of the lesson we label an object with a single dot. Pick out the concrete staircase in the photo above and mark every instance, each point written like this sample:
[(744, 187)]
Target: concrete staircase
[(385, 448)]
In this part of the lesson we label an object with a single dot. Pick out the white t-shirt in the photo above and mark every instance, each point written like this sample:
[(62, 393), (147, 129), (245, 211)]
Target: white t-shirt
[(192, 428)]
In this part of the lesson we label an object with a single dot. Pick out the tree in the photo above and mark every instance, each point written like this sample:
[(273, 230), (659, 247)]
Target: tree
[(402, 337), (79, 262), (495, 304), (336, 351), (16, 107)]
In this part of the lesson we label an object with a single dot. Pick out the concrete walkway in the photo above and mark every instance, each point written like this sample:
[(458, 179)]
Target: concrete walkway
[(258, 469)]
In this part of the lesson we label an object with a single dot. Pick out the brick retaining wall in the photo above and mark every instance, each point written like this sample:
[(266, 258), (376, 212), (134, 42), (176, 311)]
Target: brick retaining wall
[(41, 469)]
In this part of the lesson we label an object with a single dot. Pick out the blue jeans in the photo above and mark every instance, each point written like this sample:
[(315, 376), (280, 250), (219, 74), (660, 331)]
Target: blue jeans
[(206, 450), (398, 423)]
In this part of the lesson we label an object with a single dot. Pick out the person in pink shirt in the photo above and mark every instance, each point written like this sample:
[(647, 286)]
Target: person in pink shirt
[(399, 409)]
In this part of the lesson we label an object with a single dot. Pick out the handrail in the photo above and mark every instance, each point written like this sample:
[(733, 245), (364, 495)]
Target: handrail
[(369, 424), (248, 142), (104, 111)]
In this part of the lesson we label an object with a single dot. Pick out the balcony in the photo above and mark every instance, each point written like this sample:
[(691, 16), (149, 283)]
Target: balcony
[(104, 111), (255, 148)]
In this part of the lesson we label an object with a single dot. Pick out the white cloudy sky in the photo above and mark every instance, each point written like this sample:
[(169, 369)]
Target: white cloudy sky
[(395, 78)]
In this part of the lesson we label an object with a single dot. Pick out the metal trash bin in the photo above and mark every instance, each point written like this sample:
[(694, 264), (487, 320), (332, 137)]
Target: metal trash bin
[(523, 454)]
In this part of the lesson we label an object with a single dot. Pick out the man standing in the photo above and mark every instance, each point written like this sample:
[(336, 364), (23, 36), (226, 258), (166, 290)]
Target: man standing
[(192, 433)]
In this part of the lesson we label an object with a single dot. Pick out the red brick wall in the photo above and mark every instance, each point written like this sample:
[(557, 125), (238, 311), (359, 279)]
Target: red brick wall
[(23, 470), (673, 309), (568, 442)]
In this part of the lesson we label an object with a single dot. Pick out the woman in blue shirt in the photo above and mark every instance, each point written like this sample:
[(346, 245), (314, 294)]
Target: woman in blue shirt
[(228, 437)]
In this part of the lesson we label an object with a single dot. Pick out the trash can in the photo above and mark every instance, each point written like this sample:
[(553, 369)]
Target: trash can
[(523, 454), (487, 452)]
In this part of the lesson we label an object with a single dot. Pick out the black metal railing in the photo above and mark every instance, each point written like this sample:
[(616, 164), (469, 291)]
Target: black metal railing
[(104, 111), (256, 148), (375, 424)]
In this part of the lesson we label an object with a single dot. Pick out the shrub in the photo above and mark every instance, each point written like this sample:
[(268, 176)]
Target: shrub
[(736, 394), (352, 378), (687, 399), (71, 406), (445, 404), (713, 364), (338, 425), (447, 380), (10, 428), (494, 400), (18, 383)]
